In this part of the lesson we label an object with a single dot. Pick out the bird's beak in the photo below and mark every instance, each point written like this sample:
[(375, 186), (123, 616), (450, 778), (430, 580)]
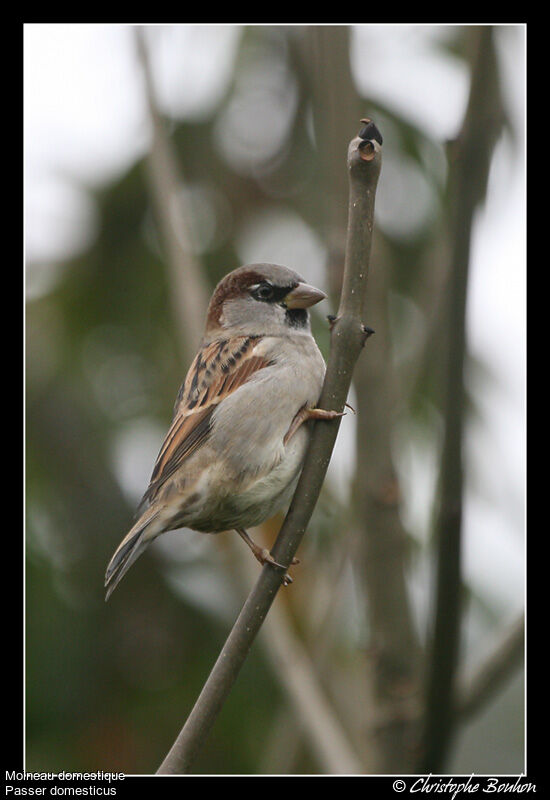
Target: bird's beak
[(303, 296)]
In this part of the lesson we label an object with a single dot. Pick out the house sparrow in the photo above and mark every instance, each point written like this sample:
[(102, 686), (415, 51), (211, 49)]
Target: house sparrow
[(235, 448)]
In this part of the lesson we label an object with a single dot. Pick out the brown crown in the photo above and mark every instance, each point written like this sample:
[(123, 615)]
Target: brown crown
[(236, 284)]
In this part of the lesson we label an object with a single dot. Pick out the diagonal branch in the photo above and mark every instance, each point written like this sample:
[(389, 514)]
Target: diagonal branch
[(348, 338), (188, 291), (476, 687)]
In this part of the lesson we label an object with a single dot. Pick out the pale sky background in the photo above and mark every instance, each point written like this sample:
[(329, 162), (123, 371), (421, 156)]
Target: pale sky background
[(85, 124)]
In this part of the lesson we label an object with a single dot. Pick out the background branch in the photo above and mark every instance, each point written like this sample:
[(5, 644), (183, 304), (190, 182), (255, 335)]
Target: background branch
[(348, 338), (188, 292), (469, 161), (309, 703), (475, 688), (394, 663)]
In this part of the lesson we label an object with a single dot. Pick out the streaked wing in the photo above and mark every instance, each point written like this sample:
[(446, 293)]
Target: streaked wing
[(219, 369)]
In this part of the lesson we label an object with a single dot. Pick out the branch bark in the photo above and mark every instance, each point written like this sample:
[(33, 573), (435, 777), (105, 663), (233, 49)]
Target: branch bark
[(395, 655), (470, 158), (347, 340)]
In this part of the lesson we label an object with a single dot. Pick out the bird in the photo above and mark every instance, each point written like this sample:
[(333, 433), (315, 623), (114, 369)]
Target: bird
[(235, 448)]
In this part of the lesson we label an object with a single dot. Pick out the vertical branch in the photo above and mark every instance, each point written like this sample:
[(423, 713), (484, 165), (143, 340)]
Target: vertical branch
[(470, 158), (335, 102), (382, 543)]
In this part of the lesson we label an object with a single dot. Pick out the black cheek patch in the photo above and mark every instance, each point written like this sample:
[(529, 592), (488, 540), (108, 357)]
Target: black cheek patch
[(296, 317)]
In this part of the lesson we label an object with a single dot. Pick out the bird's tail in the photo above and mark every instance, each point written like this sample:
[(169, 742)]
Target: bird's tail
[(130, 548)]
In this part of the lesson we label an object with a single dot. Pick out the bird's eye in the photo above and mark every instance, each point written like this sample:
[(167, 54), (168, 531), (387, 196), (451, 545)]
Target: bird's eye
[(263, 292)]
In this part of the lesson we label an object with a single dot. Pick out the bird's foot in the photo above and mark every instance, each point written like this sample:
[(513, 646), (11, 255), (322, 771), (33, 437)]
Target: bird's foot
[(263, 555), (305, 414)]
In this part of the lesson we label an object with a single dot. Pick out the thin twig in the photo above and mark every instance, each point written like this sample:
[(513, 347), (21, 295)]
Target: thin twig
[(348, 338)]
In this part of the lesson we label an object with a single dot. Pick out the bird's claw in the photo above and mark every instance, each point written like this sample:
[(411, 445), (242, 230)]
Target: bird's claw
[(266, 557)]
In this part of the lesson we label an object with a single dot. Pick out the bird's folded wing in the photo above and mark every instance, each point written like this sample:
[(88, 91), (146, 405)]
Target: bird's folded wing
[(218, 370)]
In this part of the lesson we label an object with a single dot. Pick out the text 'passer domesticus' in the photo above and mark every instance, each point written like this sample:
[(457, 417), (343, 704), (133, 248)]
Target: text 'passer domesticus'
[(234, 451)]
